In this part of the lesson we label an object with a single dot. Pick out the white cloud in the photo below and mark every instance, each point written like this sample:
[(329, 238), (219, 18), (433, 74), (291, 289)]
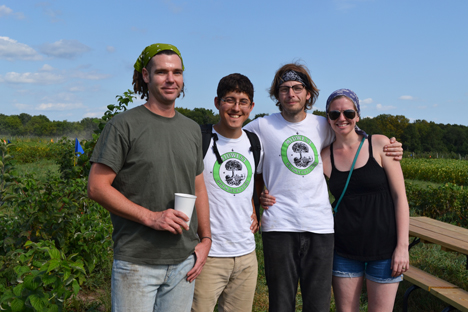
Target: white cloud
[(41, 78), (93, 114), (76, 89), (174, 7), (59, 106), (366, 101), (21, 106), (11, 50), (422, 107), (53, 14), (90, 75), (6, 11), (110, 49), (406, 97), (68, 49), (380, 107), (46, 67)]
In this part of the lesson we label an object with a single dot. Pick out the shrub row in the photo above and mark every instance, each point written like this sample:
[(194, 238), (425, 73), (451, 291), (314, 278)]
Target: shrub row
[(30, 152), (53, 239), (448, 203), (436, 170)]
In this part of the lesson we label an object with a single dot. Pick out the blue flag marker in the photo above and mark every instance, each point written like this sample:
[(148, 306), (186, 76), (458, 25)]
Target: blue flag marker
[(78, 148)]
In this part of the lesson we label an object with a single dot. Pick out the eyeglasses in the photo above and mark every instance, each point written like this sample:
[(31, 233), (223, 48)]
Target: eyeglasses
[(232, 101), (296, 88), (335, 114)]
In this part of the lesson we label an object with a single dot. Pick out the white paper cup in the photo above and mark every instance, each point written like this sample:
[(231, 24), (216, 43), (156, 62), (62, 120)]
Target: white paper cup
[(185, 203)]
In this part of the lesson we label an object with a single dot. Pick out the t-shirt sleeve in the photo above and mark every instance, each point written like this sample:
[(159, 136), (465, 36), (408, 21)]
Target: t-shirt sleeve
[(253, 126), (200, 164), (111, 148)]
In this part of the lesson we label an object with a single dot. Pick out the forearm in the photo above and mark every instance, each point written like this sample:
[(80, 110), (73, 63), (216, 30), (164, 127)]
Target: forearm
[(115, 202), (101, 190), (259, 184), (402, 222), (202, 207)]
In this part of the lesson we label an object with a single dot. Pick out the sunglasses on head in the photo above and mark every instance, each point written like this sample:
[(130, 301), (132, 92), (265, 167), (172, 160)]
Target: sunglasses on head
[(335, 114)]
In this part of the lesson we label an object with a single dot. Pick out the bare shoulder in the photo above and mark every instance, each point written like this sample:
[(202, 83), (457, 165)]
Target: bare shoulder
[(380, 140)]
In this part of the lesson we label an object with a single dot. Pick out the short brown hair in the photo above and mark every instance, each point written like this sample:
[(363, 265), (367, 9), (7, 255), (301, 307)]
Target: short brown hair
[(310, 85), (235, 83)]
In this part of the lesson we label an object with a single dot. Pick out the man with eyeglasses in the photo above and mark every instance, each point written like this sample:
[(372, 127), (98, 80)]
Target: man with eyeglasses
[(230, 272), (297, 223)]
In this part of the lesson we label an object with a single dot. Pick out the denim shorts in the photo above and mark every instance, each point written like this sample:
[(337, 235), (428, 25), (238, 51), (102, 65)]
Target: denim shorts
[(377, 271)]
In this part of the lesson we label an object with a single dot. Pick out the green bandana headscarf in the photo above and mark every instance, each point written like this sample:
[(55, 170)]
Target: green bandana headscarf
[(151, 51)]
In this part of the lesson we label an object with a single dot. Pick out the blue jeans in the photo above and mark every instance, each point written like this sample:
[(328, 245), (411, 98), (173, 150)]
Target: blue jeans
[(377, 271), (146, 288)]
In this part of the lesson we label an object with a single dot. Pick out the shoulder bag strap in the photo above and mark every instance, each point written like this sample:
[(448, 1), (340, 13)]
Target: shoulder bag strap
[(349, 176)]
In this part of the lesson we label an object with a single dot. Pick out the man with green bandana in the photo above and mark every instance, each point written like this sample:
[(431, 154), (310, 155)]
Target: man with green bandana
[(142, 158)]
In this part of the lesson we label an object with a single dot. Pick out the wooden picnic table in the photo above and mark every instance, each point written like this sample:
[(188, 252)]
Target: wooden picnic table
[(450, 238)]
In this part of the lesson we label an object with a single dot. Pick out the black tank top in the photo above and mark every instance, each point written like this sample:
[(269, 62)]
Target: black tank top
[(365, 226)]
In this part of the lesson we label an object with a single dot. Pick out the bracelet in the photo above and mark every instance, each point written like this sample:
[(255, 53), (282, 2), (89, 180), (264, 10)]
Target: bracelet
[(201, 238)]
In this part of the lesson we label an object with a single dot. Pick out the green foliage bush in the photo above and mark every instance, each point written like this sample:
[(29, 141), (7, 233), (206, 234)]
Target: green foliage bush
[(436, 170), (43, 278), (28, 152), (57, 215), (52, 239), (448, 203)]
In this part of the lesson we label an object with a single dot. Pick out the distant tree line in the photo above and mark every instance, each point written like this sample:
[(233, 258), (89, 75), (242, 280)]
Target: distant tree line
[(418, 136), (27, 125)]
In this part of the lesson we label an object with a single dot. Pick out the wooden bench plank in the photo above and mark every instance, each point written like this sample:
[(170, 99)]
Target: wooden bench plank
[(448, 229), (441, 227), (440, 231), (447, 292), (425, 280), (456, 297), (445, 241), (429, 222)]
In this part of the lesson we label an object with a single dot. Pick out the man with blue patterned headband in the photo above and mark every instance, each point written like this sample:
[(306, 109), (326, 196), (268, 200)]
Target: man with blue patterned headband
[(142, 158), (297, 225)]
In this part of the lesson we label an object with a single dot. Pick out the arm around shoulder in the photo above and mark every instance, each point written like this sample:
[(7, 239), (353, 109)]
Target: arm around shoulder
[(400, 259), (325, 154)]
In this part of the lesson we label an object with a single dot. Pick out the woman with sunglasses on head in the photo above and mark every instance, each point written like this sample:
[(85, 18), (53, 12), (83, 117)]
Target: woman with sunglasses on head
[(371, 215)]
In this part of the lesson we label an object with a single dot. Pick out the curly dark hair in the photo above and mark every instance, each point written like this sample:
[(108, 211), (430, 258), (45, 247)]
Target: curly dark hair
[(311, 88), (140, 86)]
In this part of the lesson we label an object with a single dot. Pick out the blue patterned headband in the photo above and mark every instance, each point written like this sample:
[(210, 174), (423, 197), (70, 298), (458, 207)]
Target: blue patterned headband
[(349, 94), (293, 75), (353, 97)]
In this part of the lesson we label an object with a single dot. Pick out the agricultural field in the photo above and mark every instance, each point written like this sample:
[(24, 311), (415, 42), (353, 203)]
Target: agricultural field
[(436, 170), (58, 242)]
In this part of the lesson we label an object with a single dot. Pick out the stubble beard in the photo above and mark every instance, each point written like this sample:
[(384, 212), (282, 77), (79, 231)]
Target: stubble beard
[(292, 113)]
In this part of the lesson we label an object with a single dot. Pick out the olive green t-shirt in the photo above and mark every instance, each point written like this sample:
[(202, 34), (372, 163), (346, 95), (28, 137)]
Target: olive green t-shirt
[(153, 157)]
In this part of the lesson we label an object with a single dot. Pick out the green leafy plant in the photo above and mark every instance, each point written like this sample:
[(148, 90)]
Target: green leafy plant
[(44, 279)]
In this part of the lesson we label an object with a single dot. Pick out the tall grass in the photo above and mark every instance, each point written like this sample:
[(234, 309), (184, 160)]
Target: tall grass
[(39, 169)]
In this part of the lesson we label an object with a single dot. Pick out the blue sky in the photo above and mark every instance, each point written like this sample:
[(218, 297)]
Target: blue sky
[(69, 59)]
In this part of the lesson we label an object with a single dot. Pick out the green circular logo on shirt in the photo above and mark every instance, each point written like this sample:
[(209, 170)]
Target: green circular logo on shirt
[(299, 154), (234, 174)]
